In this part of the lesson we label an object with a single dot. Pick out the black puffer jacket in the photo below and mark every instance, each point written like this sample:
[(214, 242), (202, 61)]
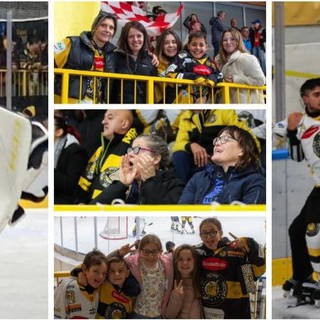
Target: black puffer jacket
[(127, 64), (81, 57)]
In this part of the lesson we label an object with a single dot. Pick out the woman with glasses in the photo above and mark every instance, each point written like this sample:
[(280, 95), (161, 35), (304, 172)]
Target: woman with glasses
[(144, 177), (234, 176), (239, 66), (223, 290)]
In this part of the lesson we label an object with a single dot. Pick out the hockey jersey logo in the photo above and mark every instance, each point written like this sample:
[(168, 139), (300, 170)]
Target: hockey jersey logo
[(213, 289), (214, 264)]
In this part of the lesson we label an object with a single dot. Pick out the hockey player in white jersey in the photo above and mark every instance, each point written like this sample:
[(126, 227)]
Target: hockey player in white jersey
[(23, 164), (303, 132)]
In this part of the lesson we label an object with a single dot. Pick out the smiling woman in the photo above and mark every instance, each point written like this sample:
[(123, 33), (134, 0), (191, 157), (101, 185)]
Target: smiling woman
[(234, 175), (133, 57), (92, 50)]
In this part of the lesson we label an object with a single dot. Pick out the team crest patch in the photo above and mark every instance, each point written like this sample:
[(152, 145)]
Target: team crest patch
[(70, 296), (213, 289), (316, 145), (59, 47), (116, 311), (107, 176), (313, 229)]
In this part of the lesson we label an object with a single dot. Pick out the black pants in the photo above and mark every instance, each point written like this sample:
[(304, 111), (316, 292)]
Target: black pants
[(310, 213)]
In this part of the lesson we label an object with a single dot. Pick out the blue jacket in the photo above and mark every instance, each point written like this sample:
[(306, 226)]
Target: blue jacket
[(247, 185)]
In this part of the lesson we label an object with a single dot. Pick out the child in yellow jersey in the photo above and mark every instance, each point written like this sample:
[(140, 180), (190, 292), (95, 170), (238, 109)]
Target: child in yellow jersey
[(114, 303), (79, 299), (193, 63)]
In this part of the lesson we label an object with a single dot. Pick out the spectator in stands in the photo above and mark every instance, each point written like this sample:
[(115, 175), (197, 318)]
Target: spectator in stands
[(158, 11), (167, 48), (217, 27), (234, 24), (90, 128), (144, 177), (133, 57), (246, 38), (258, 39), (70, 159), (239, 66), (234, 176), (116, 138), (193, 147), (92, 50), (190, 20), (193, 63)]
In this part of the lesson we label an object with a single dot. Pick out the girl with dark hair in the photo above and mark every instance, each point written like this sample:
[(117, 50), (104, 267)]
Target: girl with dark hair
[(185, 302), (70, 160), (144, 177), (167, 48), (133, 57), (223, 291), (235, 174)]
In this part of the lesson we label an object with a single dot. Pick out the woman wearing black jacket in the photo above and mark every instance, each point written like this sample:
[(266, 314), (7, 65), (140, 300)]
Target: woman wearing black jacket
[(70, 160), (133, 57), (143, 175)]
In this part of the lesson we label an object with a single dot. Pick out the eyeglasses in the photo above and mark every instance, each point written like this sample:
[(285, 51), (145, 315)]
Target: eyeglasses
[(137, 149), (223, 139), (147, 252), (211, 234)]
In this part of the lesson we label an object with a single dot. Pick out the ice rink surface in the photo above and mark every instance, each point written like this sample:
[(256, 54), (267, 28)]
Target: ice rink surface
[(283, 308), (24, 268)]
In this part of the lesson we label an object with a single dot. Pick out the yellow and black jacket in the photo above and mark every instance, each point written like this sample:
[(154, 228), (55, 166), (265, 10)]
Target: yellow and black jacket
[(203, 127), (222, 288), (103, 166), (203, 71)]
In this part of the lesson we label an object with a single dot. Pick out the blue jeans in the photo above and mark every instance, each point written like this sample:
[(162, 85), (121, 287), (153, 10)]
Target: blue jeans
[(260, 54), (216, 46)]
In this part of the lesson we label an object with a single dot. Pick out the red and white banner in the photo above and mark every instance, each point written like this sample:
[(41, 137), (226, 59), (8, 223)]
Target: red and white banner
[(133, 11)]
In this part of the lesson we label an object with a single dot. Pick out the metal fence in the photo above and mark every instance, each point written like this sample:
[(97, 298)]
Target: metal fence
[(222, 93), (25, 83)]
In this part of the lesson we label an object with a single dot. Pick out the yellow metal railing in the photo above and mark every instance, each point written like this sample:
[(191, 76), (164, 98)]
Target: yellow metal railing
[(25, 83), (174, 208), (219, 94)]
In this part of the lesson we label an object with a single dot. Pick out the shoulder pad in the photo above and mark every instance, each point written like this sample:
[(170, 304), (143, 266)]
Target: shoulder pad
[(59, 47)]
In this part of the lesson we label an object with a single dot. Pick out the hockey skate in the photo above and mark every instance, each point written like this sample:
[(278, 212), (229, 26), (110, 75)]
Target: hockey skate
[(302, 292)]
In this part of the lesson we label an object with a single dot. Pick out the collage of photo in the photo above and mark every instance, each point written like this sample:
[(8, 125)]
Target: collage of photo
[(115, 209)]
